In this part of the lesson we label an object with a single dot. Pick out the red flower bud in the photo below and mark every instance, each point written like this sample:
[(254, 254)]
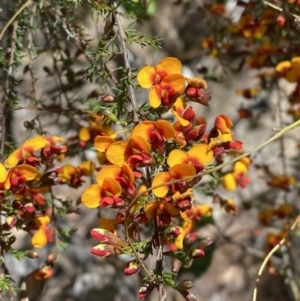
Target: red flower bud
[(106, 237), (184, 205), (145, 289), (43, 273), (103, 250), (107, 98), (188, 241), (184, 285), (197, 253), (29, 208), (32, 254), (173, 233), (191, 92), (132, 267), (11, 220)]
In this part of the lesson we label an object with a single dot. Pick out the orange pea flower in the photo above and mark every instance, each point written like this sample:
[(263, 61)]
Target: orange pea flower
[(25, 153), (136, 152), (73, 175), (160, 207), (51, 150), (156, 132), (162, 211), (124, 175), (165, 79), (221, 137), (44, 234), (237, 177), (94, 129), (107, 191), (19, 175), (290, 69), (176, 172), (197, 156), (282, 181)]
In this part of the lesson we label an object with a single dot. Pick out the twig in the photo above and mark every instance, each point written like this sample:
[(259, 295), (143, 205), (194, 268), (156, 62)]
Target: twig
[(276, 248), (6, 109), (12, 19), (127, 64), (7, 87), (278, 8)]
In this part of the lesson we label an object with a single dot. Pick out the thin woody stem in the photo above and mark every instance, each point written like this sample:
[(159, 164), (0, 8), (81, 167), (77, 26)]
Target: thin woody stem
[(127, 64), (14, 17), (268, 257), (5, 112)]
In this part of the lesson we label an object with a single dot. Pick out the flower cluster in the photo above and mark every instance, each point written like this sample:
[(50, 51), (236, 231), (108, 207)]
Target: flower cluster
[(23, 187), (147, 174)]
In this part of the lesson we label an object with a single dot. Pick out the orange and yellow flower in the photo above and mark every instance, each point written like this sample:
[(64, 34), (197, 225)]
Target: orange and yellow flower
[(156, 132), (290, 70), (176, 172), (25, 153), (44, 234), (197, 156), (71, 175), (135, 152), (108, 190), (237, 177), (19, 175), (165, 81)]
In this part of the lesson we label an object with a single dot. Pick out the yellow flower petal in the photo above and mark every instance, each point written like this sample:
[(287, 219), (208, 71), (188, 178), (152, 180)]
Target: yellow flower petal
[(3, 173), (240, 167), (143, 129), (27, 171), (111, 187), (170, 64), (42, 221), (13, 159), (107, 224), (91, 196), (35, 143), (161, 178), (180, 171), (116, 153), (84, 134), (155, 97), (128, 173), (283, 67), (87, 168), (177, 82), (200, 151), (165, 128), (182, 121), (146, 77), (66, 172), (177, 156), (229, 182), (150, 209), (103, 142), (110, 171), (39, 239), (139, 144)]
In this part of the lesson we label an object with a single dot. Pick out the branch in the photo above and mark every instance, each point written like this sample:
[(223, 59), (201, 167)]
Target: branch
[(127, 64), (282, 242), (12, 19)]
